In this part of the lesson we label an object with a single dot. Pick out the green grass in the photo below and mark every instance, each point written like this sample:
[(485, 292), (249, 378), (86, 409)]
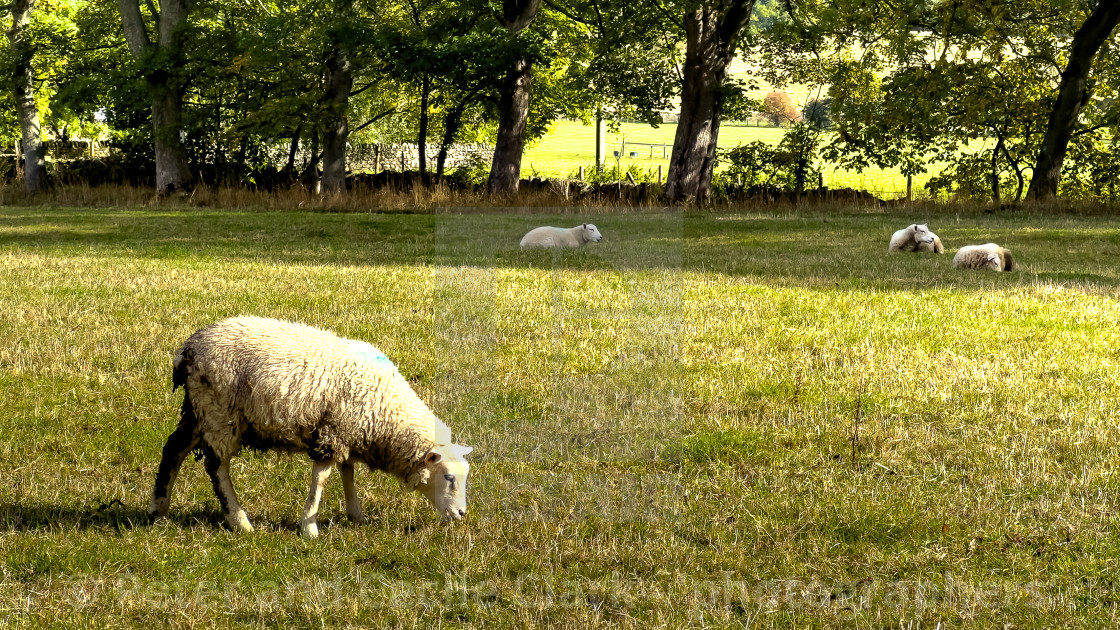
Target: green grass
[(571, 144), (706, 420)]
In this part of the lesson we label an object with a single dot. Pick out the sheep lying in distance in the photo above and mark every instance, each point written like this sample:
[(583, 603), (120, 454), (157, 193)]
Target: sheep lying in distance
[(549, 236), (987, 256), (915, 238), (268, 384)]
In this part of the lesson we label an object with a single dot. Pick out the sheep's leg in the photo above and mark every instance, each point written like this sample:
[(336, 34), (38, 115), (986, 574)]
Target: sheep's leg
[(175, 451), (218, 469), (353, 503), (319, 473)]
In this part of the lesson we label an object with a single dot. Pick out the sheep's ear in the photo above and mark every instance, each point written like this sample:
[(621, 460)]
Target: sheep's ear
[(460, 450), (433, 457), (585, 226)]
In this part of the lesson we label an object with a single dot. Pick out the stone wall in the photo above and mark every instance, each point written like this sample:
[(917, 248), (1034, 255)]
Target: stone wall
[(405, 157)]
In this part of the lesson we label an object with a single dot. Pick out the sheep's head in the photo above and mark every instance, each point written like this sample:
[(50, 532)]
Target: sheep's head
[(921, 233), (592, 233), (445, 483)]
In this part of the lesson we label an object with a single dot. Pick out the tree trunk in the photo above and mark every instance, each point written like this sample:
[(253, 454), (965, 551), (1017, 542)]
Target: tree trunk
[(172, 170), (995, 171), (339, 82), (694, 146), (422, 137), (311, 175), (23, 89), (505, 170), (451, 124), (293, 149), (1073, 94), (711, 33), (513, 103)]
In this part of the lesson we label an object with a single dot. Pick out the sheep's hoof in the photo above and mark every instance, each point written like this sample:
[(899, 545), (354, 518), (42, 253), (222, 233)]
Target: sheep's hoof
[(240, 524), (158, 508), (357, 519), (310, 531)]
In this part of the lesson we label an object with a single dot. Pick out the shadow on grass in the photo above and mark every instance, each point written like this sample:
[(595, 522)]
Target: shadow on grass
[(33, 516), (783, 249)]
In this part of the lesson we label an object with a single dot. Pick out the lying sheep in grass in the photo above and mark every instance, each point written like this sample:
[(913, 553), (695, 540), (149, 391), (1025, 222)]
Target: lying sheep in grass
[(268, 384), (987, 256), (915, 238), (578, 236)]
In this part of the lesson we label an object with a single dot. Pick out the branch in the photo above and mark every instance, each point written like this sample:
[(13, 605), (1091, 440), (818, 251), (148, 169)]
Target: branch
[(153, 9), (517, 15), (95, 48), (365, 87), (671, 17), (567, 13), (135, 33), (373, 120)]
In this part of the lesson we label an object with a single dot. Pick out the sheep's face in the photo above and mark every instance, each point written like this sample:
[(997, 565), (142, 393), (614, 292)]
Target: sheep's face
[(993, 262), (593, 235), (922, 233), (446, 487)]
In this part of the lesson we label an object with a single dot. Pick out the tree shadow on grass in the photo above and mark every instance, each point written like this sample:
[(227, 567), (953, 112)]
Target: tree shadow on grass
[(772, 250)]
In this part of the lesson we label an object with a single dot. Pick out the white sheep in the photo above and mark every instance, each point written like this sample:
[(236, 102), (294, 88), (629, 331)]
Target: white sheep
[(987, 256), (268, 384), (915, 238), (549, 236)]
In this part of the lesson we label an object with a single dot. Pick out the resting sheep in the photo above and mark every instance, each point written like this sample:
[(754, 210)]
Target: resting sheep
[(549, 236), (915, 238), (268, 384), (987, 256)]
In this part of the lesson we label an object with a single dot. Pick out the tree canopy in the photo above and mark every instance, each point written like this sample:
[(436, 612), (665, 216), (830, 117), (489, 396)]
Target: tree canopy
[(998, 98)]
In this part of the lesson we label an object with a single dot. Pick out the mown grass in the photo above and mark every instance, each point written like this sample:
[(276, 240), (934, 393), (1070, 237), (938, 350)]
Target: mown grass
[(707, 420)]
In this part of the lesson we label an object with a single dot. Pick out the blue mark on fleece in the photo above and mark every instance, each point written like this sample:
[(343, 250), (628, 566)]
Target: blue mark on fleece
[(369, 354)]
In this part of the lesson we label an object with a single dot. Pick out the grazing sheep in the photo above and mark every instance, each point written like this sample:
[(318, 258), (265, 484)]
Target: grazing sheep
[(268, 384), (987, 256), (549, 236), (915, 238)]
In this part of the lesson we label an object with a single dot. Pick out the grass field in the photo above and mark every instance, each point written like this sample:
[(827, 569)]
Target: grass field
[(571, 144), (708, 420)]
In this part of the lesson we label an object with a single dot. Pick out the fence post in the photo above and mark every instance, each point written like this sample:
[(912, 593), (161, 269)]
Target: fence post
[(659, 167), (377, 158), (581, 173)]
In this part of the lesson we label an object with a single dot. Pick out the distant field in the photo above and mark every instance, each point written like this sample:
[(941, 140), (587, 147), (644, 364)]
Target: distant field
[(571, 144)]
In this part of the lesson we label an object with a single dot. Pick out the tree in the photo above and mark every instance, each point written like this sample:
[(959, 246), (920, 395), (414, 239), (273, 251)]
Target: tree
[(23, 88), (818, 112), (336, 100), (160, 62), (513, 102), (1073, 93), (779, 108), (713, 29)]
